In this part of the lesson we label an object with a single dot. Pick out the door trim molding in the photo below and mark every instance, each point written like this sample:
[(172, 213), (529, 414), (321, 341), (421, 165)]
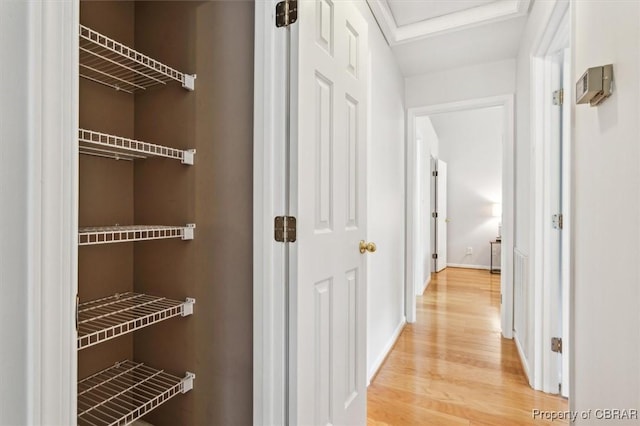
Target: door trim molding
[(508, 200), (269, 322), (44, 121), (554, 36)]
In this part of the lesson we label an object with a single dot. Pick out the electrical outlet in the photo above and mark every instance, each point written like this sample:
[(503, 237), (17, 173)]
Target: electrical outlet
[(469, 250)]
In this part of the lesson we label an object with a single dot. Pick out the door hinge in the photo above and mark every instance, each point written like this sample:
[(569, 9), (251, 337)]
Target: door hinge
[(558, 97), (557, 221), (434, 174), (286, 13), (556, 344), (285, 229), (434, 215), (434, 256)]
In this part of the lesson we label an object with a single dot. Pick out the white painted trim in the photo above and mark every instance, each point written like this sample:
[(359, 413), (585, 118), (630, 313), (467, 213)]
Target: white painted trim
[(508, 200), (523, 358), (377, 364), (552, 38), (269, 345), (567, 207), (481, 15), (47, 123), (468, 266)]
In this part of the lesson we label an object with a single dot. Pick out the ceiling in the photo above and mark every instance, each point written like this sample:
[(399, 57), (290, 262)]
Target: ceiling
[(434, 35), (409, 12)]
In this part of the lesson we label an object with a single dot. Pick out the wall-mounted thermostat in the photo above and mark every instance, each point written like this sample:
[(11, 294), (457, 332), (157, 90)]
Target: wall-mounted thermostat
[(595, 85)]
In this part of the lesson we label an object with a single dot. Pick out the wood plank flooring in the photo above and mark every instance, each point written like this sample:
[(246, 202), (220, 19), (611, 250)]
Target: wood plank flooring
[(452, 367)]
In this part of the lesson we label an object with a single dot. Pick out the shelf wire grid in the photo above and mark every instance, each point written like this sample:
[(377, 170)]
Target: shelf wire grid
[(107, 318), (113, 64), (123, 393), (121, 234), (105, 145)]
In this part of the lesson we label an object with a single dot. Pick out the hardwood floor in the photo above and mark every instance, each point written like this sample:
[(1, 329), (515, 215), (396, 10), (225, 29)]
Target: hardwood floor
[(452, 367)]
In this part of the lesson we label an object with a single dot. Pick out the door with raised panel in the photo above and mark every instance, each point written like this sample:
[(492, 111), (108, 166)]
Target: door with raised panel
[(328, 196)]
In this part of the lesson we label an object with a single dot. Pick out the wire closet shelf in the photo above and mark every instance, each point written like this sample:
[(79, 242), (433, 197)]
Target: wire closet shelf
[(107, 318), (106, 61), (122, 234), (125, 392), (119, 148)]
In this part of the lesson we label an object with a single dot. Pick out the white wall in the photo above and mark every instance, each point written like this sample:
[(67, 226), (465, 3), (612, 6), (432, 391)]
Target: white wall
[(477, 81), (13, 219), (427, 148), (606, 322), (471, 145), (538, 18), (385, 203)]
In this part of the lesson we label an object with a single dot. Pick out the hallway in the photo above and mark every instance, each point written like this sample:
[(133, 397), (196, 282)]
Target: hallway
[(452, 367)]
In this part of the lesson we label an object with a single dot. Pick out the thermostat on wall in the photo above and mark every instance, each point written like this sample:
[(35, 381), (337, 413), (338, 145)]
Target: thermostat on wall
[(595, 85)]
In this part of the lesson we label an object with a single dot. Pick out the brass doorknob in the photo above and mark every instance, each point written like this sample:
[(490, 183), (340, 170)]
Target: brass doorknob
[(370, 247)]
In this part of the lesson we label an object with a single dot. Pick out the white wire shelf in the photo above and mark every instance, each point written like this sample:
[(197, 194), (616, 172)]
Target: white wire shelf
[(122, 234), (125, 392), (106, 61), (107, 318), (119, 148)]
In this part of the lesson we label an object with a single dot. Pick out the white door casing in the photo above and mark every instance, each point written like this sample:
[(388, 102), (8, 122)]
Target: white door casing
[(508, 197), (328, 197), (441, 218), (550, 266)]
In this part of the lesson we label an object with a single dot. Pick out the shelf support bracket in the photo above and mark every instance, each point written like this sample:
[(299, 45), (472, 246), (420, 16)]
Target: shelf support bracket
[(187, 306), (189, 82), (188, 231), (187, 382), (188, 156)]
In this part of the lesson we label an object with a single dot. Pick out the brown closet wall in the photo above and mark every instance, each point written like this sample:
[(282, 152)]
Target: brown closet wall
[(215, 41), (106, 187)]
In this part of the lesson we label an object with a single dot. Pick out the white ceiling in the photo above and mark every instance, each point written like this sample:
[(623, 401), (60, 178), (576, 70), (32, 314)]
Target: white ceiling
[(409, 12), (449, 124), (471, 46), (434, 35)]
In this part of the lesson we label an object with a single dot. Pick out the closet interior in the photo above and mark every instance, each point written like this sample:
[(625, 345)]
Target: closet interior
[(137, 314)]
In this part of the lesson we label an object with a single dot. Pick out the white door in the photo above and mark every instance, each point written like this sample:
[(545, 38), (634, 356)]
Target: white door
[(441, 219), (557, 271), (553, 255), (329, 45)]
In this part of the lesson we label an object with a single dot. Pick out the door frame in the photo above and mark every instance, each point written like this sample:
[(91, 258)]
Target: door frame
[(41, 239), (413, 212), (270, 347), (555, 37)]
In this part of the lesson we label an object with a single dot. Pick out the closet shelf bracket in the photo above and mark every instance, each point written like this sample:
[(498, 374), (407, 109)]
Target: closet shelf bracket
[(187, 382)]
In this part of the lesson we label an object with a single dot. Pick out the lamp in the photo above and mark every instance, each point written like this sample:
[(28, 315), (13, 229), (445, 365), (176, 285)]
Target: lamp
[(496, 211)]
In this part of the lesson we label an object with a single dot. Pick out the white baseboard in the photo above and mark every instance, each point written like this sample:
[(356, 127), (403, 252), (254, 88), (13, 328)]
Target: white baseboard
[(464, 265), (385, 351), (523, 358)]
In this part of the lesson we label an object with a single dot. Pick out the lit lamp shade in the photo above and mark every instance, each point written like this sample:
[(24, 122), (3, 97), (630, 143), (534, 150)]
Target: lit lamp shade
[(496, 210)]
